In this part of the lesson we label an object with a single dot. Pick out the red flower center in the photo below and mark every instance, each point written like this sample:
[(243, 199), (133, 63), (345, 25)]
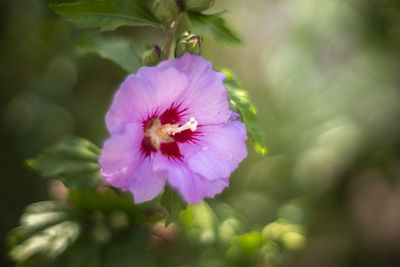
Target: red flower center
[(164, 132)]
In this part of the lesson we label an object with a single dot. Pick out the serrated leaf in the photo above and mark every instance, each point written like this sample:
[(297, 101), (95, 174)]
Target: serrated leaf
[(47, 228), (74, 159), (107, 14), (213, 24), (240, 101), (119, 50), (173, 203)]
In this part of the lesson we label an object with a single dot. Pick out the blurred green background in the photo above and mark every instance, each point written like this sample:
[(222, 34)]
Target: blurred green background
[(324, 76)]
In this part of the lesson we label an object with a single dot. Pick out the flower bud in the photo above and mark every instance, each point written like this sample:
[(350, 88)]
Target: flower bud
[(189, 43), (198, 5), (152, 56), (165, 10)]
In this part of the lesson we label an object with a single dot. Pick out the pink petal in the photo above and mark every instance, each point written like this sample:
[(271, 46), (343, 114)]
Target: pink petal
[(121, 155), (146, 184), (206, 98), (218, 152), (192, 187), (150, 91)]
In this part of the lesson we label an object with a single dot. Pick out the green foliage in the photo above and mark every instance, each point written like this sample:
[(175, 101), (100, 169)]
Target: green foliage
[(215, 25), (240, 101), (107, 14), (173, 203), (152, 56), (74, 159), (165, 10), (215, 225), (100, 227), (198, 5), (47, 228), (82, 253), (212, 222), (108, 200), (120, 50), (130, 248), (188, 43)]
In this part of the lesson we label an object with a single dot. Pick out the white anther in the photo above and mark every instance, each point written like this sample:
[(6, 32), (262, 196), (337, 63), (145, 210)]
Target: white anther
[(191, 124)]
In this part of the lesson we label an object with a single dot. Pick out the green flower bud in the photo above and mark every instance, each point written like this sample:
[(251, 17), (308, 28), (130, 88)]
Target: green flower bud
[(198, 5), (165, 10), (152, 56), (189, 43)]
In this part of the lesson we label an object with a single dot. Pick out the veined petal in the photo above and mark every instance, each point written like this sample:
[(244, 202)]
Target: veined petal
[(150, 91), (206, 98), (146, 183), (192, 187), (218, 152), (121, 155)]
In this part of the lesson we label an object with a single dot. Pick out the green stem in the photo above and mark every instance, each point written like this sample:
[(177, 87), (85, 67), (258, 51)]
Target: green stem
[(170, 35)]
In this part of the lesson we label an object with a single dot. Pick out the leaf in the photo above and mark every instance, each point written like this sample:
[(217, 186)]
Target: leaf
[(84, 252), (129, 248), (215, 25), (47, 228), (173, 203), (109, 200), (107, 14), (74, 159), (119, 50), (240, 101)]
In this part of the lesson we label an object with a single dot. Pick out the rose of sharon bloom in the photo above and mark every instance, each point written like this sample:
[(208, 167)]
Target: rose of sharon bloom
[(172, 123)]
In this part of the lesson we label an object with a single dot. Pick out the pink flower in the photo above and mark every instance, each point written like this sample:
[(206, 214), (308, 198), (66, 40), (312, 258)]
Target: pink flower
[(172, 123)]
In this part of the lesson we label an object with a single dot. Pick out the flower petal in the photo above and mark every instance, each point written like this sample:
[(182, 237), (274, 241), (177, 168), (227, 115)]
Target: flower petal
[(218, 152), (150, 91), (121, 155), (146, 183), (192, 187), (206, 98)]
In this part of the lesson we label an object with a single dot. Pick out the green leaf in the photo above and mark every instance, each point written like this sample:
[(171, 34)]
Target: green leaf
[(74, 159), (47, 228), (84, 252), (173, 203), (109, 200), (129, 248), (213, 24), (119, 50), (107, 14), (240, 101)]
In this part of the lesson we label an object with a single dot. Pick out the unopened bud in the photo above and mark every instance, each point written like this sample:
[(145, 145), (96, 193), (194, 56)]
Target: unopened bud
[(165, 10), (152, 56), (188, 43), (198, 5)]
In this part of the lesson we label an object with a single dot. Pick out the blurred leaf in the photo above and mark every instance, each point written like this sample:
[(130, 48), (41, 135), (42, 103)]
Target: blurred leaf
[(107, 14), (240, 101), (84, 252), (119, 50), (129, 248), (108, 200), (74, 159), (250, 243), (173, 203), (47, 228), (215, 25), (199, 223)]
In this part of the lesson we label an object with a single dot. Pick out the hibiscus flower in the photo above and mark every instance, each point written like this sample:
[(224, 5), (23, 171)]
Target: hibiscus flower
[(172, 123)]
